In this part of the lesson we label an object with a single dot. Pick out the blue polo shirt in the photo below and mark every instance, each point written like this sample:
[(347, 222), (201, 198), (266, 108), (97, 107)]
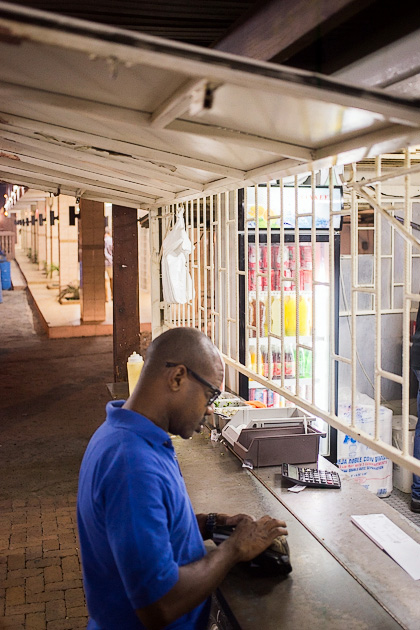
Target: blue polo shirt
[(136, 522)]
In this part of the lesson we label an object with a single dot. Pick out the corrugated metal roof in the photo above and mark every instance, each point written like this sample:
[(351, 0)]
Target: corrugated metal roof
[(95, 111)]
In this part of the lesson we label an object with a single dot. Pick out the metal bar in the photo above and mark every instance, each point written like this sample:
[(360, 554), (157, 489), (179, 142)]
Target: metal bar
[(258, 278), (331, 258), (268, 285), (198, 298), (402, 230), (237, 274), (354, 280), (219, 275), (227, 274), (378, 303), (406, 310)]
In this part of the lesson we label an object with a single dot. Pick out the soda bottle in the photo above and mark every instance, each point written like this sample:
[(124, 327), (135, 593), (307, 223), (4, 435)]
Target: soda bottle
[(263, 266), (289, 361), (252, 267)]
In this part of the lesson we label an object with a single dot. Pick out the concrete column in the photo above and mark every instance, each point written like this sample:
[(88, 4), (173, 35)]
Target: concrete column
[(92, 276), (68, 245)]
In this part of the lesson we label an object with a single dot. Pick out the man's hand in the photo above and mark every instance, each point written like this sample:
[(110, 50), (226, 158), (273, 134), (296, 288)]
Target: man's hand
[(251, 538), (232, 521), (199, 579)]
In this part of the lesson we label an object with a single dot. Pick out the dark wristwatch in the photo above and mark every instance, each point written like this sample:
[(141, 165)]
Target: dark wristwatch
[(211, 522)]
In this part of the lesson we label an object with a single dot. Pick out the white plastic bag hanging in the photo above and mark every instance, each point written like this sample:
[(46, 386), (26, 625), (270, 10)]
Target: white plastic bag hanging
[(176, 279)]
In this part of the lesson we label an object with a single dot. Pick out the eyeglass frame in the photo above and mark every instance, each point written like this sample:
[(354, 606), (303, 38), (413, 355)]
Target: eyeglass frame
[(216, 391)]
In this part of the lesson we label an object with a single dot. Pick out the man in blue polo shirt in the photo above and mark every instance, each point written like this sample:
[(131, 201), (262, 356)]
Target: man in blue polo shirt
[(143, 557)]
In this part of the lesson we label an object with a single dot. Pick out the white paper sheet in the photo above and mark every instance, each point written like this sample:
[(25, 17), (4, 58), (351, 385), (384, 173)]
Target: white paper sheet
[(389, 537)]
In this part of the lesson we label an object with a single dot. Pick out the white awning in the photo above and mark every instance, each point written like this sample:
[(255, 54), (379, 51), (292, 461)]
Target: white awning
[(107, 114)]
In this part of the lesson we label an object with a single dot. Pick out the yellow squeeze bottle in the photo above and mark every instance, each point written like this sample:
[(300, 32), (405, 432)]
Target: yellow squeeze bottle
[(134, 365)]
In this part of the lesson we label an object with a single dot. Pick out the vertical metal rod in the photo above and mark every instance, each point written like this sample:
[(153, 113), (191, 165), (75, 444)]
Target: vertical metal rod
[(212, 270), (331, 260), (198, 300), (377, 282), (246, 267), (268, 284), (236, 239), (205, 264), (297, 288), (406, 310), (219, 269), (228, 275), (191, 308), (258, 280), (314, 298), (354, 300), (282, 300)]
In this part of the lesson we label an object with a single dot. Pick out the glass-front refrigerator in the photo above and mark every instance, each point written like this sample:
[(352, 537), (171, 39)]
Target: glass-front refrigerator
[(286, 291)]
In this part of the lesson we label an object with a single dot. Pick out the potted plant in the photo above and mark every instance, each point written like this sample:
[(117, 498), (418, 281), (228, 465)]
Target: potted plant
[(70, 294)]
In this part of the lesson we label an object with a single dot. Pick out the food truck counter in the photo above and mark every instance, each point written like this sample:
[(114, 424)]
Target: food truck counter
[(340, 578)]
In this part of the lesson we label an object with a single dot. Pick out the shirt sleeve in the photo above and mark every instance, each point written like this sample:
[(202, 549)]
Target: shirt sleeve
[(136, 516)]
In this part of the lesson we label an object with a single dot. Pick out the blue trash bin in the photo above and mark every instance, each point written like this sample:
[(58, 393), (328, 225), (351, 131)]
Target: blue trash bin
[(1, 293), (6, 279)]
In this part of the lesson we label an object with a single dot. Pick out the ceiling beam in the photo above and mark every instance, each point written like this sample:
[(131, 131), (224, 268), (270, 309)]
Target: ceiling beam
[(58, 180), (178, 103), (100, 142), (280, 28), (67, 166), (46, 186), (135, 120), (120, 165)]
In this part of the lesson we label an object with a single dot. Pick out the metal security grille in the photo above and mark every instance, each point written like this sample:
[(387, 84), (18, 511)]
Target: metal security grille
[(285, 309)]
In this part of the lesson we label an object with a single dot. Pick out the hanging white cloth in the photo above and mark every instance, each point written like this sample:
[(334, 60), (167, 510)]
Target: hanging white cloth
[(176, 279)]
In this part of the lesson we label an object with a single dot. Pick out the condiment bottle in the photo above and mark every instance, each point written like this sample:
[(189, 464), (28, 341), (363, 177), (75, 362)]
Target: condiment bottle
[(134, 365)]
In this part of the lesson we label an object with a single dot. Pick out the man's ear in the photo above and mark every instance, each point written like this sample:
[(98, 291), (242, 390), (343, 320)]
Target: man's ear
[(176, 378)]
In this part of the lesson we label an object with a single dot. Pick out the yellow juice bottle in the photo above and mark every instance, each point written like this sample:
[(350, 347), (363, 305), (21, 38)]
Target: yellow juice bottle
[(290, 315), (303, 317)]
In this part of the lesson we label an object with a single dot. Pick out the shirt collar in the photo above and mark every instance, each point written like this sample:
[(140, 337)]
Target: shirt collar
[(133, 421)]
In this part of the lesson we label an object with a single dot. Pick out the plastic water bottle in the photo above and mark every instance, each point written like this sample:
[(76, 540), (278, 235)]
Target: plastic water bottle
[(134, 365)]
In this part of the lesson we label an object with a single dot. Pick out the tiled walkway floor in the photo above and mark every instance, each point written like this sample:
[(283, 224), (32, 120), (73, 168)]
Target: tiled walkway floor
[(41, 585)]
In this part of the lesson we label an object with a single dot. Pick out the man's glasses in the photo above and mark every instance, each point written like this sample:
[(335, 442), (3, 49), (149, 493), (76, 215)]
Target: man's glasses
[(216, 391)]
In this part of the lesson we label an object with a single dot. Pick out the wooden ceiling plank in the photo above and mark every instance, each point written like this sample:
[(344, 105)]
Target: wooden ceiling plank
[(279, 24)]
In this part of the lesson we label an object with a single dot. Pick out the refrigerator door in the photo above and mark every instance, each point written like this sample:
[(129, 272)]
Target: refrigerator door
[(289, 313)]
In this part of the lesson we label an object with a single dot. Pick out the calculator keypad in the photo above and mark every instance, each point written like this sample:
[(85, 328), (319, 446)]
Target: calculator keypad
[(311, 477)]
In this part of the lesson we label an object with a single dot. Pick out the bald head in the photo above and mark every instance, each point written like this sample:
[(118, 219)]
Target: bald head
[(175, 397), (188, 346)]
